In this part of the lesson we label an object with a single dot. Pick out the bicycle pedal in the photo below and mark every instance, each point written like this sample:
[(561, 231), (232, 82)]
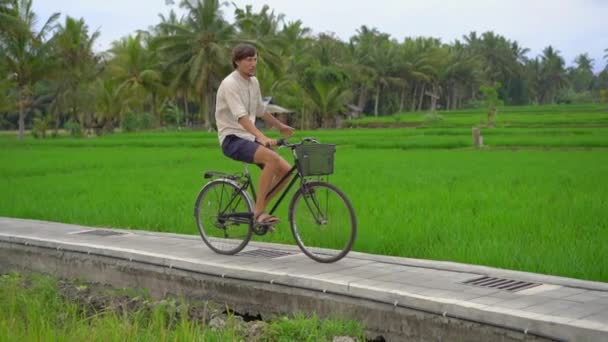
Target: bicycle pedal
[(261, 230)]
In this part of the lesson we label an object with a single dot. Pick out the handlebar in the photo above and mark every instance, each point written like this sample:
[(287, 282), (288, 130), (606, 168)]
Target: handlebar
[(285, 143)]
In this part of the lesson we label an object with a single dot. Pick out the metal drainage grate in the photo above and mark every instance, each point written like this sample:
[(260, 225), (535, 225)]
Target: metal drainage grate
[(266, 253), (101, 232), (501, 284)]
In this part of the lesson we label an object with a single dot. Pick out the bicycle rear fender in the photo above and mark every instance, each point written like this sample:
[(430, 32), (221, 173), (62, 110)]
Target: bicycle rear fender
[(213, 174)]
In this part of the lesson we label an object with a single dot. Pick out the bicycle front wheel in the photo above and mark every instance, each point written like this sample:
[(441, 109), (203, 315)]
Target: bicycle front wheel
[(224, 216), (322, 221)]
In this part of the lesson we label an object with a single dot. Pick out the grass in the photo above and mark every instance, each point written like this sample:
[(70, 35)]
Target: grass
[(534, 200), (33, 309), (519, 117)]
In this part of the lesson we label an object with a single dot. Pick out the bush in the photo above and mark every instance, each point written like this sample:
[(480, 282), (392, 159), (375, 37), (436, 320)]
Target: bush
[(132, 122), (73, 128), (146, 121), (432, 118), (173, 115), (571, 97), (604, 96), (129, 122), (41, 124)]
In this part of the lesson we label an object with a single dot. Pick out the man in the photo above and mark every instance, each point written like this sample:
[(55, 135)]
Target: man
[(239, 102)]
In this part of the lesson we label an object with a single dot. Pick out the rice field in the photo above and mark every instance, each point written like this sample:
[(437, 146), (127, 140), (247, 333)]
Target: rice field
[(533, 199)]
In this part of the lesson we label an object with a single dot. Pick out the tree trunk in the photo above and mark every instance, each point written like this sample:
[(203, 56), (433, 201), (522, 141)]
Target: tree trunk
[(201, 110), (75, 113), (57, 114), (362, 99), (402, 100), (186, 110), (434, 98), (377, 100), (413, 107), (328, 121), (421, 100), (155, 110), (447, 98), (21, 116), (57, 120), (210, 110)]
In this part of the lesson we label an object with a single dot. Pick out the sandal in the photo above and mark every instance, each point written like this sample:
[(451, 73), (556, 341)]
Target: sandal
[(267, 220)]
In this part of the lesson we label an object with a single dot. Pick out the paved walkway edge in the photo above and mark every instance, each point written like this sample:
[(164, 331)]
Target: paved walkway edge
[(30, 248)]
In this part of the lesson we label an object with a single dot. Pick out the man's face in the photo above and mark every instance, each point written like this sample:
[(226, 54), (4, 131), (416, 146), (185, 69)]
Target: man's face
[(247, 65)]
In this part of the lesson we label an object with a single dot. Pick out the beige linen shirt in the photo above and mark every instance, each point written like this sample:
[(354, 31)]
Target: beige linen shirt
[(237, 97)]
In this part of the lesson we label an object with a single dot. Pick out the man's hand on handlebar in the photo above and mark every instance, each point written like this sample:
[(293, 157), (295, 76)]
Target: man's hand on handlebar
[(284, 142), (265, 141)]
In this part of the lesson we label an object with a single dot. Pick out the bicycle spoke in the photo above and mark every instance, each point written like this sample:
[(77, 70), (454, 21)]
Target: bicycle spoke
[(223, 232), (323, 222)]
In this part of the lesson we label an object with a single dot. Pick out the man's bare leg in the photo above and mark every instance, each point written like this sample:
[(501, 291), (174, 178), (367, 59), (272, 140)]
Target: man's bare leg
[(276, 179), (274, 165)]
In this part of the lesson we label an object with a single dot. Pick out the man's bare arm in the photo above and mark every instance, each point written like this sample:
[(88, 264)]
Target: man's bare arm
[(259, 136), (271, 121)]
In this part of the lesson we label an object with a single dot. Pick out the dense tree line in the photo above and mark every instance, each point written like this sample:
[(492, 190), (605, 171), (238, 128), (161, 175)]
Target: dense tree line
[(167, 75)]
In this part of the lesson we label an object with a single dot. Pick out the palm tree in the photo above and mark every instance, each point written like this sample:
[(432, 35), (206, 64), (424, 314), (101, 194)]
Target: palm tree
[(553, 74), (137, 66), (262, 30), (534, 79), (584, 63), (460, 73), (379, 54), (76, 67), (199, 50), (328, 92), (111, 102), (178, 88), (581, 77), (425, 52), (293, 47), (500, 57), (24, 50)]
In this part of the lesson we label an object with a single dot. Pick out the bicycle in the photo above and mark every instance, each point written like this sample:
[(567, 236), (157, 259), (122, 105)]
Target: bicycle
[(321, 217)]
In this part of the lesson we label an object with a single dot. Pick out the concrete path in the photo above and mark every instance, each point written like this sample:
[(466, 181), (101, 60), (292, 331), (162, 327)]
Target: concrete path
[(544, 306)]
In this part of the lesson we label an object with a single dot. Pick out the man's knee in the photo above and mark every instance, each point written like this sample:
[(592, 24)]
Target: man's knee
[(274, 161), (268, 158), (284, 167)]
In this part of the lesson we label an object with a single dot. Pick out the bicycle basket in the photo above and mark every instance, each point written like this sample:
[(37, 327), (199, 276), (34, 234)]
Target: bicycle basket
[(315, 159)]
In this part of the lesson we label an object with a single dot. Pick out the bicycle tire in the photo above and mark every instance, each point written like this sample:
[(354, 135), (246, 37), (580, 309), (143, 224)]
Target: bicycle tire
[(213, 226), (333, 226)]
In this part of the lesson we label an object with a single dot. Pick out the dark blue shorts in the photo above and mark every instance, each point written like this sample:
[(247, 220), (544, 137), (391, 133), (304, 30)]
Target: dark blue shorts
[(239, 149)]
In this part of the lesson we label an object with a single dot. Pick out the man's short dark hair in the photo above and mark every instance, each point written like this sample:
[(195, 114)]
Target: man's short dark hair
[(242, 51)]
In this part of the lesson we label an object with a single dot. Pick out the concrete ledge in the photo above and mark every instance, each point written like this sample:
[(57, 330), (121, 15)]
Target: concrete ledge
[(394, 323), (397, 297)]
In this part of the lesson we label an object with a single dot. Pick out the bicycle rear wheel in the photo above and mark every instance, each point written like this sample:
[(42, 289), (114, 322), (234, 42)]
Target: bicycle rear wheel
[(322, 221), (224, 216)]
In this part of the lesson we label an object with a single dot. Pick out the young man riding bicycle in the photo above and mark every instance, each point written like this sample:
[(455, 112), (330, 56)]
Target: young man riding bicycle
[(239, 102)]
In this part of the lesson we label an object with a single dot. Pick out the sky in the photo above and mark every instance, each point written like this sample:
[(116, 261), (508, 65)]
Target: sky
[(571, 26)]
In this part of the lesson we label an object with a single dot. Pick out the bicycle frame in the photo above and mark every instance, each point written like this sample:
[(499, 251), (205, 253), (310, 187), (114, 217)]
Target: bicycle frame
[(248, 184)]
